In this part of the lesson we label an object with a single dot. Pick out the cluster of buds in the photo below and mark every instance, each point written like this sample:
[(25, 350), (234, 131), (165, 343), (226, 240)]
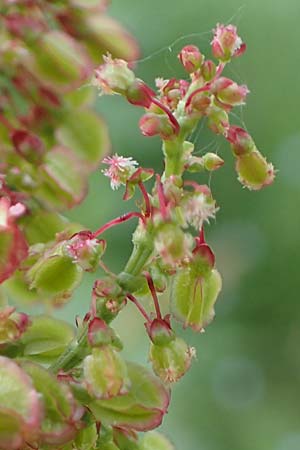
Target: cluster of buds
[(61, 387)]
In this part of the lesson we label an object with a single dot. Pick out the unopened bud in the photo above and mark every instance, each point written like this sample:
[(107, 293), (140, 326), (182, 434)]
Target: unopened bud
[(199, 104), (212, 161), (160, 331), (139, 94), (113, 76), (172, 360), (218, 120), (254, 171), (241, 141), (191, 58), (152, 124), (208, 70), (226, 43), (228, 93)]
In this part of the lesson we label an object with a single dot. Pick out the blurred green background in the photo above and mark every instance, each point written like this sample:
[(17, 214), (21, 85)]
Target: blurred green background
[(242, 391)]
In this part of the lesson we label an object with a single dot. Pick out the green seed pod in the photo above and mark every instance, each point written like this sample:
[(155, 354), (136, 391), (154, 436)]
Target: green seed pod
[(155, 441), (254, 171), (86, 438), (193, 297), (172, 360), (105, 373)]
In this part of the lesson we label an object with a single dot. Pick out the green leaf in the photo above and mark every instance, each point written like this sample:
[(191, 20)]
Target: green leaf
[(20, 408), (63, 182), (104, 33), (86, 135), (141, 409), (193, 297), (61, 412), (46, 338)]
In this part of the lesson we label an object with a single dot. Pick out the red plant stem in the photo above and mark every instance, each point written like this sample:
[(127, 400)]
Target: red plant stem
[(146, 198), (139, 306), (161, 198), (6, 123), (201, 239), (116, 221), (219, 70), (153, 293), (172, 118)]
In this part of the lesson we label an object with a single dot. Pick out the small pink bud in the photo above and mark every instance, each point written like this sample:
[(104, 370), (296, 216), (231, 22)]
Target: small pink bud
[(226, 43), (152, 124), (241, 141), (191, 58), (228, 93), (140, 94), (208, 70), (113, 76), (160, 331), (99, 333), (199, 104)]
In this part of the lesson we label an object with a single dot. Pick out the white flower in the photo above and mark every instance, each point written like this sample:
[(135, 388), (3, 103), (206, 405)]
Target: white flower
[(199, 208), (119, 170)]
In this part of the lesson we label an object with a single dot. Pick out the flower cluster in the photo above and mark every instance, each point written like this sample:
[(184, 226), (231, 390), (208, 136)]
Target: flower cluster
[(65, 388)]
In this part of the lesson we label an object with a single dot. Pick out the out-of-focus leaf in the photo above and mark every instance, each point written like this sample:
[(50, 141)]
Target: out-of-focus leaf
[(63, 181), (58, 60), (46, 338), (103, 32), (86, 135), (20, 408), (61, 412)]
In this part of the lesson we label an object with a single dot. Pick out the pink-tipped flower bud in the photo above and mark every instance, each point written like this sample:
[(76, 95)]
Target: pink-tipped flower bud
[(199, 104), (212, 161), (160, 331), (191, 58), (12, 324), (226, 43), (140, 94), (172, 360), (241, 141), (218, 120), (254, 171), (113, 76), (228, 93), (208, 70), (152, 124)]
